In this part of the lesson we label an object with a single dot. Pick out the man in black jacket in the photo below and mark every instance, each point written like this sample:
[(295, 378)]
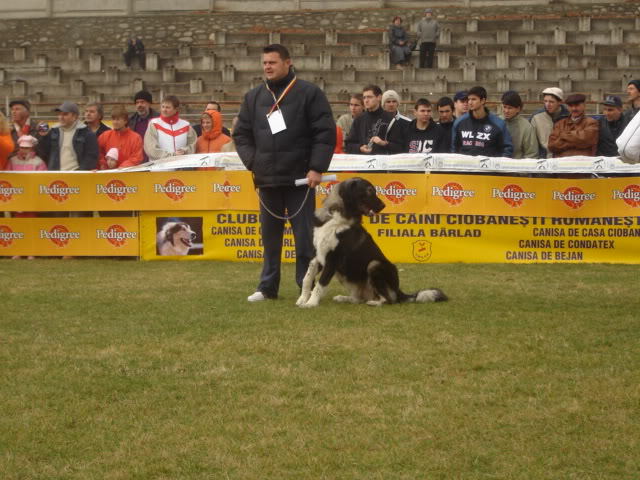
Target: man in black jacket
[(375, 131), (285, 131), (423, 134), (612, 124)]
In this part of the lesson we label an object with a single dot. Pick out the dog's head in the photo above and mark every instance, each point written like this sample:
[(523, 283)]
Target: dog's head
[(179, 233), (358, 197)]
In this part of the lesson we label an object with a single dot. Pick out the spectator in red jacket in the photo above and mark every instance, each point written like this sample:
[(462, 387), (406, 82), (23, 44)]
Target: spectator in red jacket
[(126, 142)]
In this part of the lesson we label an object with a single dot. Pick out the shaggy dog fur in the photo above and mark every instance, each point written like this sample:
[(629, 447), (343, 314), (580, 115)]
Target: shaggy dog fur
[(346, 249), (175, 238)]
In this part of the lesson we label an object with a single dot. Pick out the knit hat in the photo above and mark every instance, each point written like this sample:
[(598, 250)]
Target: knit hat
[(112, 153), (636, 83), (27, 141), (512, 98), (143, 95), (390, 95), (555, 91)]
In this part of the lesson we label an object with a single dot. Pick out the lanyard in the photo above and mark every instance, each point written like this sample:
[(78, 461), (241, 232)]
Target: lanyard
[(282, 95)]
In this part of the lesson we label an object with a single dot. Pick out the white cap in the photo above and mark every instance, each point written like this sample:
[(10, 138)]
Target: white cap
[(112, 153), (555, 91)]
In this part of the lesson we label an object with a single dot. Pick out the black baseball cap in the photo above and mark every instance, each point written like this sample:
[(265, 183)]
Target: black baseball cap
[(612, 101)]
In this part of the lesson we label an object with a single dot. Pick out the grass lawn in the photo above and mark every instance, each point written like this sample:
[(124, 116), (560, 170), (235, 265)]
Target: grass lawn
[(162, 370)]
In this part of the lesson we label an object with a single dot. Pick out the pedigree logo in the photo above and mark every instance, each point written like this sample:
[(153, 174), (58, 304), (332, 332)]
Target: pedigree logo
[(7, 191), (225, 188), (630, 195), (58, 190), (513, 195), (574, 197), (116, 190), (116, 235), (174, 188), (396, 192), (59, 235), (7, 236), (326, 189), (453, 193)]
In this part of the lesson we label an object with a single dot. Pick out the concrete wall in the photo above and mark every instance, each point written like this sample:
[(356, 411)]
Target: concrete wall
[(89, 8)]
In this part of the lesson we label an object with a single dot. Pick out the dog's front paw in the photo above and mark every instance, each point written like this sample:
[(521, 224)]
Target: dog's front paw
[(302, 299), (309, 304)]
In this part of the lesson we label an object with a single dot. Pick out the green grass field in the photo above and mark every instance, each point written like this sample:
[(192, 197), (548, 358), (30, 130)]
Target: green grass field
[(162, 370)]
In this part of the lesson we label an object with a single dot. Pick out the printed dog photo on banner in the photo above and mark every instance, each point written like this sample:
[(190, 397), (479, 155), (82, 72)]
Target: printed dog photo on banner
[(179, 236)]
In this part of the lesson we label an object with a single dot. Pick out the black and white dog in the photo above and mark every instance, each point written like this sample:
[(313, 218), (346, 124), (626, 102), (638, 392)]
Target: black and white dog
[(345, 248)]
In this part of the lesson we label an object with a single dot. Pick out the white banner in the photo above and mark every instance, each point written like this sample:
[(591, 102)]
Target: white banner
[(416, 162)]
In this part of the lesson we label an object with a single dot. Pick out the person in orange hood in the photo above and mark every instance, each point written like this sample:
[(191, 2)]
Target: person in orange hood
[(212, 138), (126, 143)]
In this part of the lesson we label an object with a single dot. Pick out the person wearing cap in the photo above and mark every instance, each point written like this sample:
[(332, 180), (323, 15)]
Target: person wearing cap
[(543, 120), (423, 135), (577, 134), (70, 145), (23, 124), (93, 115), (428, 31), (523, 136), (480, 132), (633, 92), (119, 147), (169, 135), (376, 131), (460, 103), (139, 121), (26, 160), (612, 123), (390, 103)]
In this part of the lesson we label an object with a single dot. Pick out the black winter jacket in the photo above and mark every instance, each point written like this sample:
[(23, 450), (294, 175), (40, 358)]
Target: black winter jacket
[(609, 131), (376, 123), (307, 143)]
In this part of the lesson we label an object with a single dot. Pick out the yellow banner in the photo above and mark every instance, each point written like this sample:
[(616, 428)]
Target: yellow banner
[(408, 237), (92, 236)]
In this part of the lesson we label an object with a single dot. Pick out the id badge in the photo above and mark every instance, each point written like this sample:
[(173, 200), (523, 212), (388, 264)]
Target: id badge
[(276, 121)]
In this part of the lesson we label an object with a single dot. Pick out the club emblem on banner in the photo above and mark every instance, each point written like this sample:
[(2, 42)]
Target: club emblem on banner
[(422, 250)]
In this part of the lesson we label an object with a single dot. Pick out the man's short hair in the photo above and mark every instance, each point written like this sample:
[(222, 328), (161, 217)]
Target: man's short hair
[(358, 96), (422, 102), (279, 49), (173, 100), (479, 92), (445, 102), (120, 111), (213, 102), (99, 108), (377, 91), (512, 99)]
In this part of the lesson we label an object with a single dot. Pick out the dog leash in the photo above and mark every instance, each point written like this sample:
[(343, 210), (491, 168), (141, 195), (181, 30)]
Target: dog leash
[(306, 195)]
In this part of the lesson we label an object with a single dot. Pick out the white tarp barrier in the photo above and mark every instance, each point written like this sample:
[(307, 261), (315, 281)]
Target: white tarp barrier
[(416, 162)]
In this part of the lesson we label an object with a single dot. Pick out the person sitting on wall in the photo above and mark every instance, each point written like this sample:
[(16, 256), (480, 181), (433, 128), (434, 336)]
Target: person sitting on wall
[(399, 47), (135, 49)]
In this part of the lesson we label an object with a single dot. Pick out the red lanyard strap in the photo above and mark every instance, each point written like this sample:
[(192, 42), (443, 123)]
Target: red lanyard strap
[(282, 95)]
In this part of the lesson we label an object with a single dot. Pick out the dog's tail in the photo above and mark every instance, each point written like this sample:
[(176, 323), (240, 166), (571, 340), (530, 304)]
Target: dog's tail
[(425, 296)]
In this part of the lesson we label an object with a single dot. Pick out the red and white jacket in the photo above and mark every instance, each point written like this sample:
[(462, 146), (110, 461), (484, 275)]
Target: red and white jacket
[(166, 135)]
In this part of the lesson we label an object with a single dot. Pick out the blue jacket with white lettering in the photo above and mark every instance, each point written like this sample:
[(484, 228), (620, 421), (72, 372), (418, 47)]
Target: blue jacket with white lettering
[(487, 136)]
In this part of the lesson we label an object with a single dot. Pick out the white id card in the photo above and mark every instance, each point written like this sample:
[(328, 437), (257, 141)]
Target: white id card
[(276, 121)]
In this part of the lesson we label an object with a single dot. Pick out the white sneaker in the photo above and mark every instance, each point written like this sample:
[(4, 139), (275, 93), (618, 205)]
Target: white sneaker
[(256, 297)]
